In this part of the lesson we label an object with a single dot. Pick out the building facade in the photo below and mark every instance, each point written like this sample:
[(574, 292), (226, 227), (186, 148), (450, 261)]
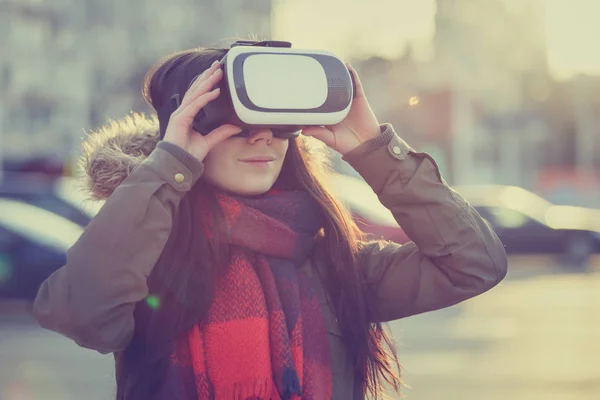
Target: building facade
[(66, 65)]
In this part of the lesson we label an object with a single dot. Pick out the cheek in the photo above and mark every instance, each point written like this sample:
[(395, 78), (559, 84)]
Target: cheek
[(282, 147), (217, 164)]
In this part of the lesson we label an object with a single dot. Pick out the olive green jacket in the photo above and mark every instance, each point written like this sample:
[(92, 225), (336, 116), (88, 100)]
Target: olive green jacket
[(453, 256)]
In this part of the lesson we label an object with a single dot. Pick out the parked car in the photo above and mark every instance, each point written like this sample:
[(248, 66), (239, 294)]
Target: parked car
[(56, 194), (527, 223), (367, 211), (33, 244)]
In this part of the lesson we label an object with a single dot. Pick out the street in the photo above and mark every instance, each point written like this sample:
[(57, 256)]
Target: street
[(533, 337)]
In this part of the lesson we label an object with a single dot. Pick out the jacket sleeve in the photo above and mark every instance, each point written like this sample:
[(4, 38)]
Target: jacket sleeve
[(454, 254), (91, 299)]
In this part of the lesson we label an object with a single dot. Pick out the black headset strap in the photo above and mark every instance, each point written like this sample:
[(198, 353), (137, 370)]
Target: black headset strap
[(263, 43), (164, 113)]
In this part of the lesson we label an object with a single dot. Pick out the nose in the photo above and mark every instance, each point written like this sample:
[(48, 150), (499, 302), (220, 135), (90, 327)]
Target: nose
[(260, 134)]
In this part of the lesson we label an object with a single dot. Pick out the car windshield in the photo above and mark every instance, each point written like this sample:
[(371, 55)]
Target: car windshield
[(67, 190), (40, 225), (508, 197)]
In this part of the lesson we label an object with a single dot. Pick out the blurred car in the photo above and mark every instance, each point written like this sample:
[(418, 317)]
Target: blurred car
[(370, 215), (527, 224), (33, 244), (56, 194)]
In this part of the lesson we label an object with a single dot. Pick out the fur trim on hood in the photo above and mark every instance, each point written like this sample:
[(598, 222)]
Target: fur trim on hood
[(110, 153)]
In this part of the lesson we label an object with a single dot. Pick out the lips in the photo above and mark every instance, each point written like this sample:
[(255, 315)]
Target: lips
[(258, 159)]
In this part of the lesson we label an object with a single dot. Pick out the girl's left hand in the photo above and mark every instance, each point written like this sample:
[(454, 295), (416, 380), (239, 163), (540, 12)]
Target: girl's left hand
[(359, 126)]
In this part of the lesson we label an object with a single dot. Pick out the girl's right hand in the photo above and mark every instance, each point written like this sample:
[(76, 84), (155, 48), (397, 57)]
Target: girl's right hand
[(179, 130)]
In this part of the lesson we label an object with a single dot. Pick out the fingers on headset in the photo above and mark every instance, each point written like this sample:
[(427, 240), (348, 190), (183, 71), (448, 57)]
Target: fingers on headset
[(221, 133), (203, 84), (188, 112)]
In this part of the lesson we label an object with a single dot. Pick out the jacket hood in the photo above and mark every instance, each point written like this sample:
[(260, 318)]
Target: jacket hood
[(110, 154)]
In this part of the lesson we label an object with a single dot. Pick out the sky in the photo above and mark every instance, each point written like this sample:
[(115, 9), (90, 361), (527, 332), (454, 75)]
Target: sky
[(384, 27), (572, 32)]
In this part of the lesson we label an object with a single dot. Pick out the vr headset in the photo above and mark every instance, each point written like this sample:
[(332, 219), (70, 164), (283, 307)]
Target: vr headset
[(270, 85)]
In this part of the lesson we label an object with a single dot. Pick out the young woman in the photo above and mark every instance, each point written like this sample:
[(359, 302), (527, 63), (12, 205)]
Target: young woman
[(221, 266)]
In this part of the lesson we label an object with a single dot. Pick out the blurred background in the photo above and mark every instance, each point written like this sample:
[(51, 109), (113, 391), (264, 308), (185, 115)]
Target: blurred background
[(504, 94)]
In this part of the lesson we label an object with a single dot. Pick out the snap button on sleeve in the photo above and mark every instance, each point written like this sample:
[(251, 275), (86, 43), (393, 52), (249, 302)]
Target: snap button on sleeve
[(179, 178), (396, 150)]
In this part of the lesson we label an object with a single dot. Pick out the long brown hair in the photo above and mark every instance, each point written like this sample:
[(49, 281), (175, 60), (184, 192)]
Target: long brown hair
[(184, 277)]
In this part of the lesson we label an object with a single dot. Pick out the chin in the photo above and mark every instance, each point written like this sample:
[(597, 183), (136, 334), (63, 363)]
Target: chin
[(250, 188), (254, 190)]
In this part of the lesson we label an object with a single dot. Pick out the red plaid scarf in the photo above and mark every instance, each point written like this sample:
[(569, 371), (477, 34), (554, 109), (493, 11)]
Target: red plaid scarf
[(264, 336)]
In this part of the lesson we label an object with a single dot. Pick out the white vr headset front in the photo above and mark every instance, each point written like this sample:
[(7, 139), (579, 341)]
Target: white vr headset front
[(270, 85)]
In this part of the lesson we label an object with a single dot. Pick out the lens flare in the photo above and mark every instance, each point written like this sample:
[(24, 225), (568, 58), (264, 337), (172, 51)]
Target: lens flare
[(153, 302), (414, 101)]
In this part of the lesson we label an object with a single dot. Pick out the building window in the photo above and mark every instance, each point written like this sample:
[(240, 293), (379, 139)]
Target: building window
[(100, 12), (5, 77), (32, 115)]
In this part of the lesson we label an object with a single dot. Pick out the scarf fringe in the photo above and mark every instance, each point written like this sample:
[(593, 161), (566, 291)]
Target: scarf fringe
[(253, 388), (291, 384)]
